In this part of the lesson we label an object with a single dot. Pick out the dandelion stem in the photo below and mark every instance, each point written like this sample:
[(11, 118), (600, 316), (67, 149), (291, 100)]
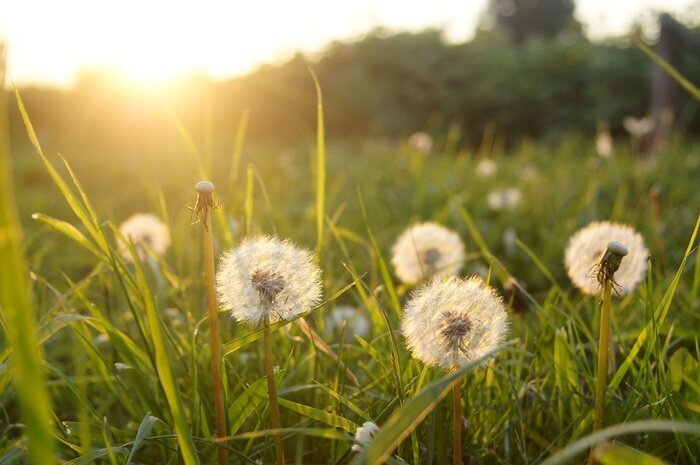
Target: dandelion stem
[(272, 394), (204, 201), (603, 349), (457, 434)]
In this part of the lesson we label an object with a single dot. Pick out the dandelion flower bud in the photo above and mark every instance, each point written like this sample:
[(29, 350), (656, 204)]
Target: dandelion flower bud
[(144, 229), (452, 322), (426, 250), (587, 247), (364, 435), (268, 280)]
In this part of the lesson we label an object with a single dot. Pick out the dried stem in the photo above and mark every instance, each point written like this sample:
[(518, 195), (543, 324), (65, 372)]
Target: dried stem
[(205, 204), (272, 394), (457, 420)]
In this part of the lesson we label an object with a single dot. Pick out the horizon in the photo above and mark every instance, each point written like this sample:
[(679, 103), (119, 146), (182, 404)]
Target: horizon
[(151, 56)]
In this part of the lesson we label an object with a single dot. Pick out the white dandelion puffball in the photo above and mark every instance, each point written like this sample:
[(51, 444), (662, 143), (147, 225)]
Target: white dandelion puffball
[(587, 247), (486, 168), (364, 435), (504, 199), (144, 229), (638, 127), (268, 280), (354, 318), (421, 142), (425, 250), (452, 322), (604, 143)]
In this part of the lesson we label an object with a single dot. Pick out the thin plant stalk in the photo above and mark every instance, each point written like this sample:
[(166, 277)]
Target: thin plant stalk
[(603, 349), (202, 209), (272, 394), (457, 434)]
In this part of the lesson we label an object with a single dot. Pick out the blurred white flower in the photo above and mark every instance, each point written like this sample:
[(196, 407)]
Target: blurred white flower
[(364, 435), (421, 142), (504, 199), (486, 168), (604, 141), (144, 230), (530, 173), (638, 127), (267, 279), (587, 247), (425, 250), (354, 317), (454, 321)]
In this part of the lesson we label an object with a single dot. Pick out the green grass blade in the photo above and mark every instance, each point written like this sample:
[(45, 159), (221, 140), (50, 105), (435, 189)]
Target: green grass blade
[(615, 454), (666, 66), (320, 167), (319, 415), (18, 311), (69, 231), (238, 151), (145, 428), (163, 366)]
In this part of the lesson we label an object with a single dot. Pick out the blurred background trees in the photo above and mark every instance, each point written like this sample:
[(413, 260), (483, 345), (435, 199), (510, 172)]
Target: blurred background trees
[(531, 76)]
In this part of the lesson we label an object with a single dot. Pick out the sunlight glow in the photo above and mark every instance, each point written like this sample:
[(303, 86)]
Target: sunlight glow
[(156, 40)]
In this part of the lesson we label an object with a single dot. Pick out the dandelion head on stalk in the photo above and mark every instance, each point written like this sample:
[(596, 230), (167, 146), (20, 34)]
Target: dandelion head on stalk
[(425, 250), (266, 279), (451, 322), (144, 230), (364, 435), (587, 248)]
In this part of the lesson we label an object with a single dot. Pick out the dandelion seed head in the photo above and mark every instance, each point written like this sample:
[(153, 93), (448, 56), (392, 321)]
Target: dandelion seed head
[(421, 142), (486, 168), (267, 279), (425, 250), (586, 249), (144, 229), (364, 435), (453, 321), (604, 142), (354, 317), (638, 127), (504, 199)]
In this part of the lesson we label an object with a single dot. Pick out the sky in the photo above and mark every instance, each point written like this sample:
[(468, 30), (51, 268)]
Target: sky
[(151, 41)]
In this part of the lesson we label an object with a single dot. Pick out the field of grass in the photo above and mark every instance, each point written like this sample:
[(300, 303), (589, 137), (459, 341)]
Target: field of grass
[(126, 353)]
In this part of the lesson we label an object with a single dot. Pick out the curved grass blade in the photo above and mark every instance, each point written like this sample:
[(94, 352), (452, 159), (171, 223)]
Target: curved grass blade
[(404, 420), (570, 452), (18, 311)]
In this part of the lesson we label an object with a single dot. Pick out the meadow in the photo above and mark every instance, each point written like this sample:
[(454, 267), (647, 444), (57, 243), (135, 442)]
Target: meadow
[(126, 358)]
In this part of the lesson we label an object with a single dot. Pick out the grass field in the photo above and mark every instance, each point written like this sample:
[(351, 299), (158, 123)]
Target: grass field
[(126, 353)]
